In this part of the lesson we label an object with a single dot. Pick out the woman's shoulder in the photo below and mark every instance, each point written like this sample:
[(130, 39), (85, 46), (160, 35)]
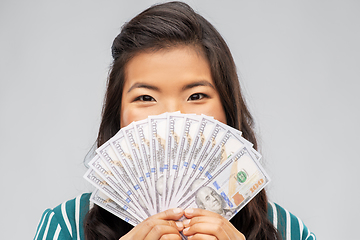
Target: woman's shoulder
[(290, 226), (64, 221)]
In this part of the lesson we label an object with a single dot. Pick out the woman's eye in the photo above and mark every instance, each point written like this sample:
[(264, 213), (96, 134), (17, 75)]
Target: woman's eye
[(196, 96), (145, 98)]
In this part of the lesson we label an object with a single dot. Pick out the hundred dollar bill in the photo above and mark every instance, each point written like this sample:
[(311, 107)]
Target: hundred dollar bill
[(100, 199), (122, 151), (198, 165), (227, 146), (142, 131), (92, 177), (158, 126), (238, 132), (230, 187), (174, 131), (247, 142), (200, 138), (99, 166), (190, 128), (107, 153), (140, 167), (252, 150)]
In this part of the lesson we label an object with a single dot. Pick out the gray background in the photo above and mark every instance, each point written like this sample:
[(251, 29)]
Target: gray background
[(299, 68)]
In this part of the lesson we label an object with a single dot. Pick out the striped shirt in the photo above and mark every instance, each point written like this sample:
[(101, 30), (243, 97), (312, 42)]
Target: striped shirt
[(66, 221)]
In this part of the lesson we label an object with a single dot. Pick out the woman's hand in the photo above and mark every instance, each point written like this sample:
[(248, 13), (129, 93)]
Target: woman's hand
[(159, 226), (204, 224)]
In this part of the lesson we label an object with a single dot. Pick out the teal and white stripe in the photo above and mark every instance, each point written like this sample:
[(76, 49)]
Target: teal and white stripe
[(65, 218), (289, 226), (65, 222)]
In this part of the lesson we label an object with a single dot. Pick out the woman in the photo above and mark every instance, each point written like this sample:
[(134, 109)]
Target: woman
[(166, 59)]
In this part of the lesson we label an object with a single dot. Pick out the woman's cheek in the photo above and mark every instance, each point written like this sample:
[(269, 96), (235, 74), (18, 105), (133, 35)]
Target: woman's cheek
[(131, 114), (212, 110)]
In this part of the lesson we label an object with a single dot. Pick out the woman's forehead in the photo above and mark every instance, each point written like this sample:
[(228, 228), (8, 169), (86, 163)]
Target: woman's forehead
[(180, 65)]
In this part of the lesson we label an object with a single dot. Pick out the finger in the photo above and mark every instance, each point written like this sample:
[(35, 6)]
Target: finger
[(208, 229), (204, 216), (170, 214), (154, 222), (210, 220), (219, 221), (197, 215), (195, 212), (144, 228), (171, 237), (178, 225), (200, 236), (159, 231)]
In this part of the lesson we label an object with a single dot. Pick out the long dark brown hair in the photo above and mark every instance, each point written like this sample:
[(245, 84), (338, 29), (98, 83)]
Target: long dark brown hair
[(165, 26)]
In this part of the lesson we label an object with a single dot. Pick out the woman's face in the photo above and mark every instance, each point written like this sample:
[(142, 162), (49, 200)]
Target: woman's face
[(169, 80)]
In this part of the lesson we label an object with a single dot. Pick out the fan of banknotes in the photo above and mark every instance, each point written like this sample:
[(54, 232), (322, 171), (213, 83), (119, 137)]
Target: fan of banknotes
[(175, 160)]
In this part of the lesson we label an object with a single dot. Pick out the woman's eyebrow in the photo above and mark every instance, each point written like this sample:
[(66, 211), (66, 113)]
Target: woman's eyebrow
[(199, 83), (143, 85)]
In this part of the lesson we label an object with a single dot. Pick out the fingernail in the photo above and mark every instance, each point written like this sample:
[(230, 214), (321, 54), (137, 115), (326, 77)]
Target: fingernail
[(179, 224), (186, 229), (177, 210), (186, 222), (189, 210)]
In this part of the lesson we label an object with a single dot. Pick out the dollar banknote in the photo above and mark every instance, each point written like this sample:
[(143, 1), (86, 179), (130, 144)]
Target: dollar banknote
[(122, 151), (99, 166), (230, 187), (174, 134), (202, 136), (102, 185), (175, 160), (141, 168), (191, 126), (107, 153), (100, 199), (158, 125)]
